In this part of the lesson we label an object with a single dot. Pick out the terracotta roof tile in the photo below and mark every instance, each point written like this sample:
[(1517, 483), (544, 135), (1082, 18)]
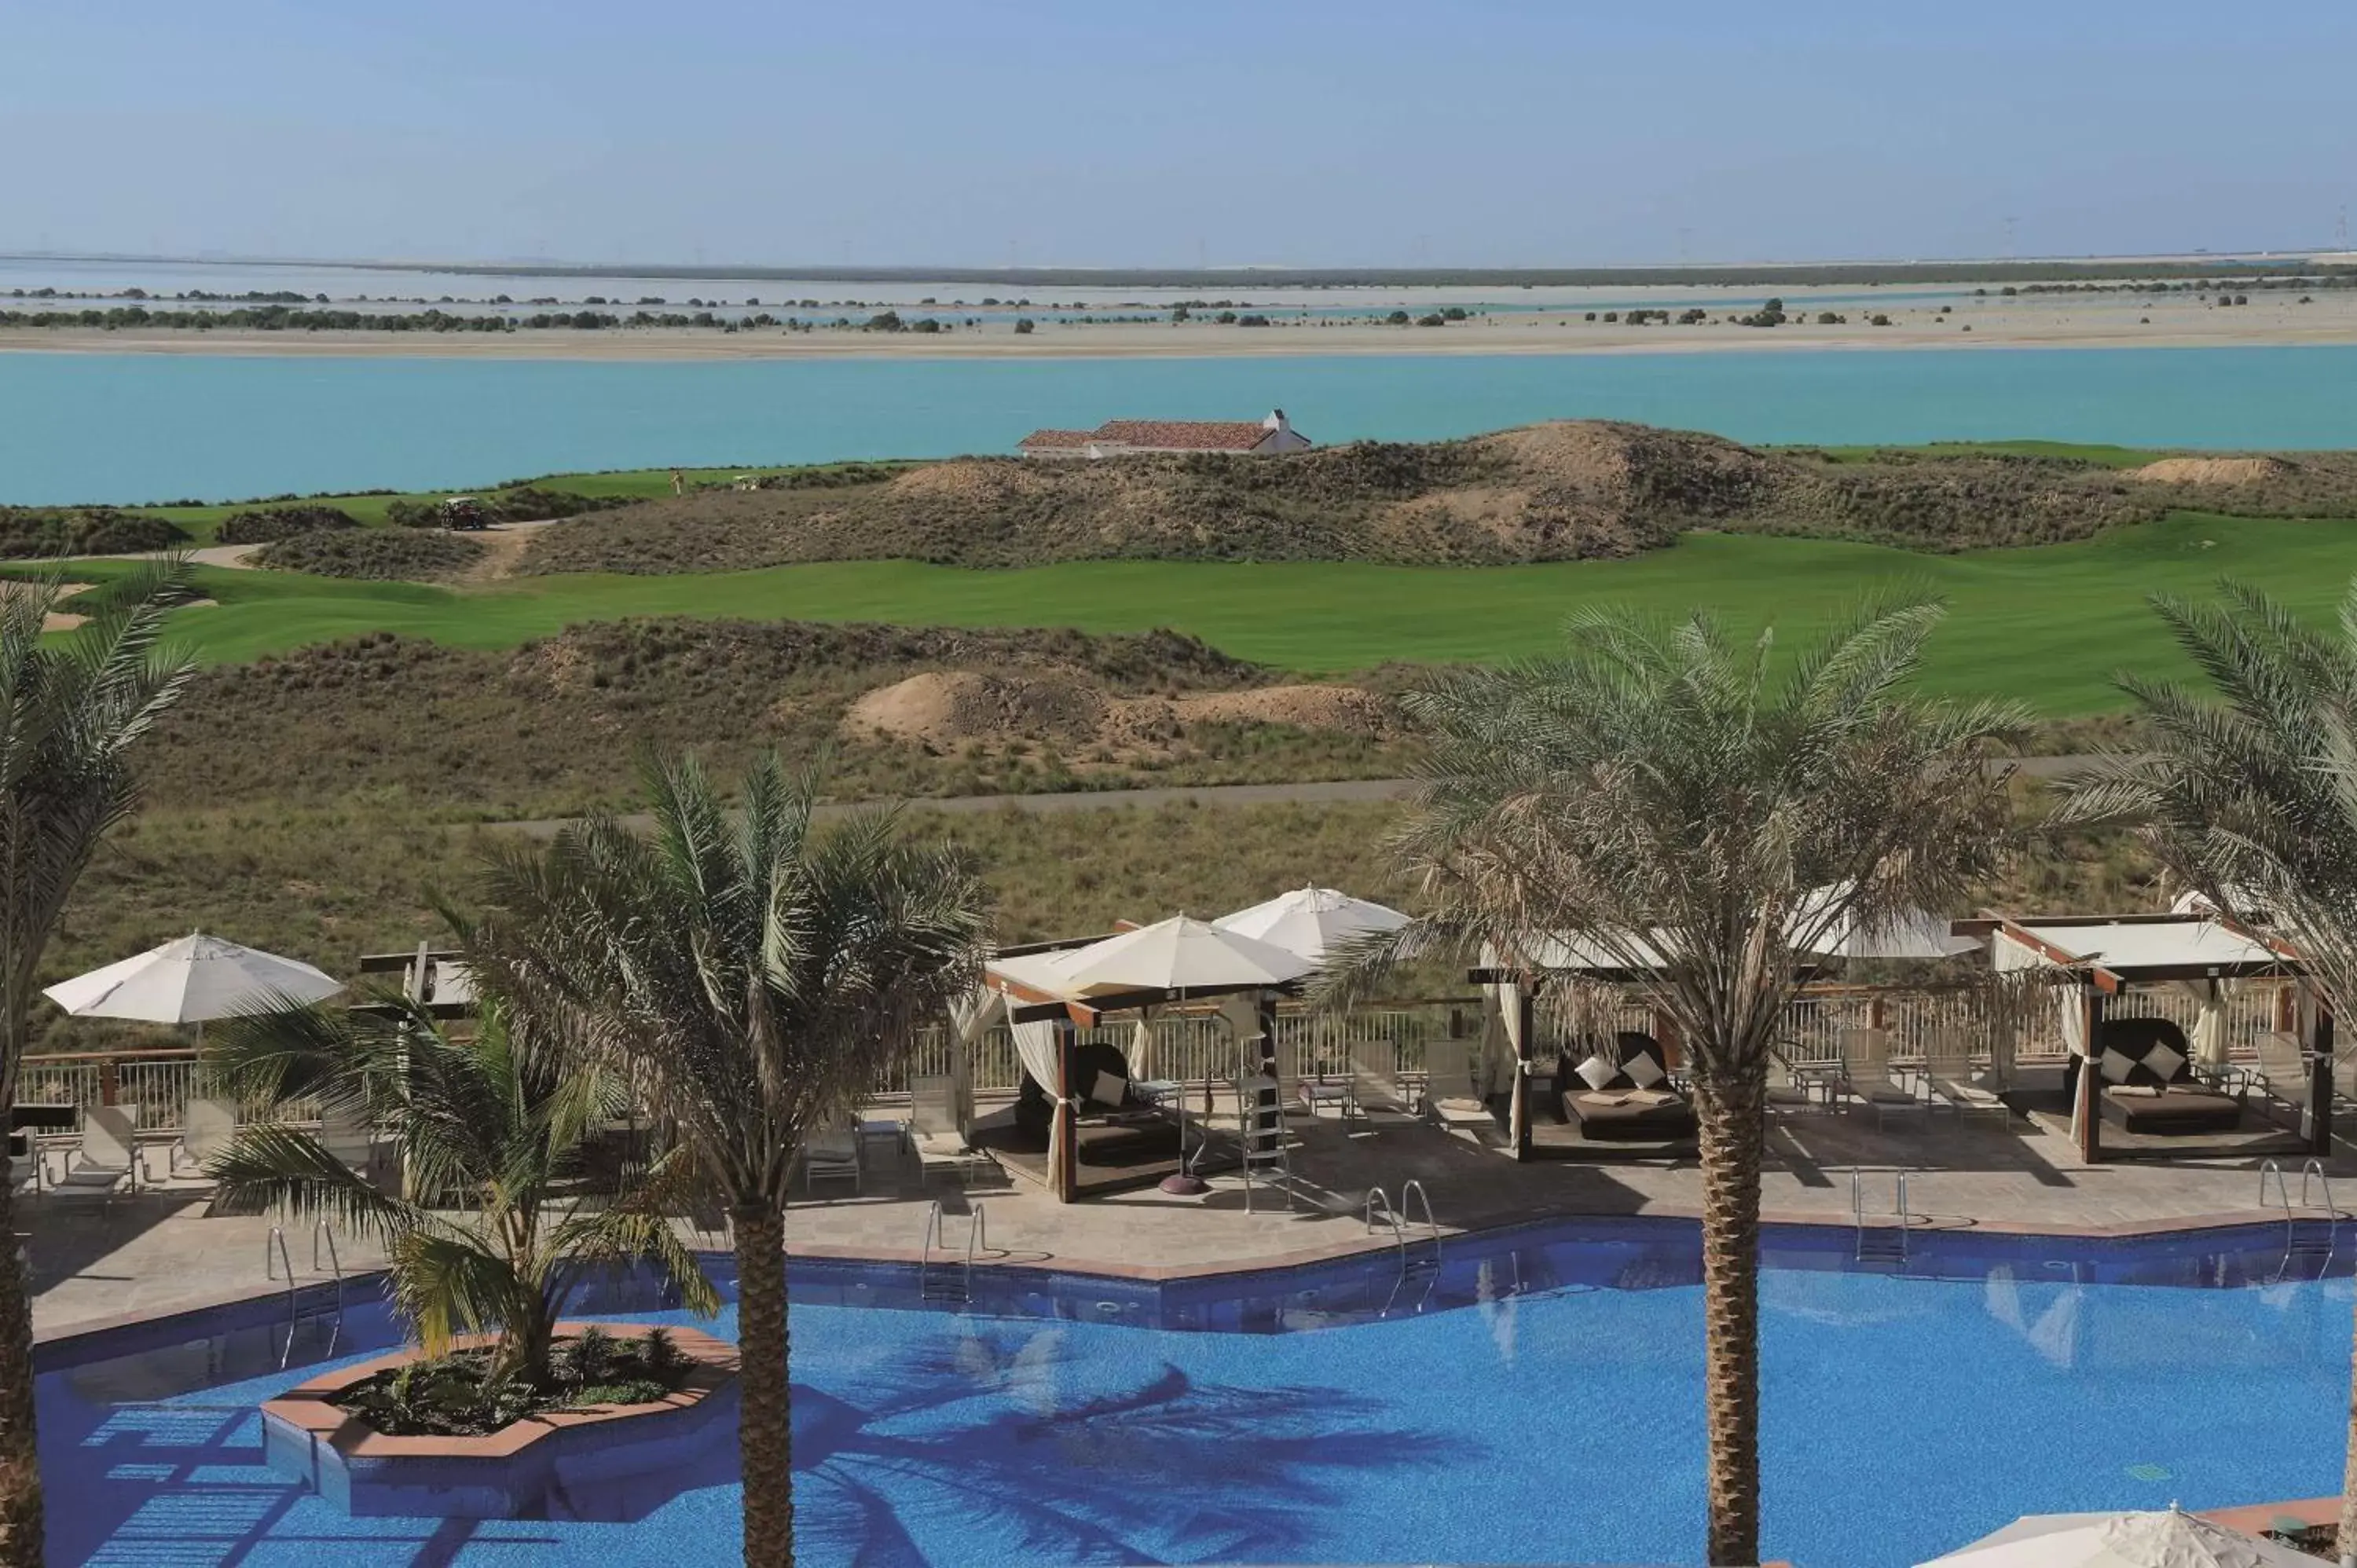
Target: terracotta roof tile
[(1057, 438), (1184, 434)]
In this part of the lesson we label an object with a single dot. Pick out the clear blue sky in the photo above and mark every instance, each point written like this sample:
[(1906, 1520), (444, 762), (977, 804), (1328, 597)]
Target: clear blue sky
[(1286, 132)]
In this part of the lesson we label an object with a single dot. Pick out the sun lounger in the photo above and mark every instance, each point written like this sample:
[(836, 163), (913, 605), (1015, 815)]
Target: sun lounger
[(1373, 1087), (104, 1159), (941, 1144), (1449, 1095), (832, 1156), (207, 1127), (2147, 1083), (1955, 1083), (1626, 1097), (1867, 1081)]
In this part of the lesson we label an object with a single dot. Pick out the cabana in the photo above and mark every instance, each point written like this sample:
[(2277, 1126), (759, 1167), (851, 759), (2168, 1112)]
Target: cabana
[(2156, 1083), (1100, 1134), (1512, 981)]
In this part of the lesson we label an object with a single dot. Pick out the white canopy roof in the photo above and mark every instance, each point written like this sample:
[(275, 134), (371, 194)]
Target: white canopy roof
[(2166, 1539), (1308, 920), (191, 980), (2155, 946)]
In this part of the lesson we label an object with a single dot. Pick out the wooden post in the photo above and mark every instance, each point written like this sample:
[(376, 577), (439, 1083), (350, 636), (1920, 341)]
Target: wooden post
[(1065, 1179), (1265, 1016), (110, 1081), (2089, 1111), (2316, 1121)]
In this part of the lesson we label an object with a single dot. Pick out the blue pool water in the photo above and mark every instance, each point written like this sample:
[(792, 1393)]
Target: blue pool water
[(1538, 1400), (152, 427)]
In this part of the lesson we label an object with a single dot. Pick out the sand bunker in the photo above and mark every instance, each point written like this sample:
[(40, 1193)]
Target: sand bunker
[(947, 710), (2214, 470)]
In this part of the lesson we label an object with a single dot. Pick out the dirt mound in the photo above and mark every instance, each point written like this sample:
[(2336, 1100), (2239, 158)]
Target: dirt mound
[(946, 709), (1345, 708), (2214, 471), (978, 482), (951, 710)]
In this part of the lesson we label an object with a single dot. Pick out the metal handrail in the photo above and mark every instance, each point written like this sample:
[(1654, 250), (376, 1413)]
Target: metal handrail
[(2283, 1195), (1399, 1236), (277, 1238), (975, 1234), (321, 1229), (1424, 1197)]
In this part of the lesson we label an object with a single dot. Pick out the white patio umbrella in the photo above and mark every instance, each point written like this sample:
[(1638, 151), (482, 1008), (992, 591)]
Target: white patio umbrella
[(1178, 954), (2169, 1539), (188, 980), (1308, 920)]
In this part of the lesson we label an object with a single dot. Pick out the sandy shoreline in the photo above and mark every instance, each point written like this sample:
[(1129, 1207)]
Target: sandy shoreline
[(2048, 321)]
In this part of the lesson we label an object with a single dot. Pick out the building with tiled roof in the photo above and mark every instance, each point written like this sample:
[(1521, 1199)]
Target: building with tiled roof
[(1128, 437)]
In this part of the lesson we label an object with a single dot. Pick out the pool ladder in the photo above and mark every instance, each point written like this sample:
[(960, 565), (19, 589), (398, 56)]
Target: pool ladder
[(1427, 1264), (1879, 1243), (945, 1287), (2298, 1249), (327, 1295)]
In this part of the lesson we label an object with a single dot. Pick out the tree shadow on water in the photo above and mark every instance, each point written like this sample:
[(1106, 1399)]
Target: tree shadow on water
[(973, 1445)]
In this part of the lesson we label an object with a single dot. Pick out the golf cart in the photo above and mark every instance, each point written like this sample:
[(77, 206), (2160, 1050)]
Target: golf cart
[(465, 513)]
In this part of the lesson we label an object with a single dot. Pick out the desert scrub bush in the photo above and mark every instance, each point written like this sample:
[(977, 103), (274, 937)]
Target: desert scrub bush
[(376, 554), (35, 532), (267, 527)]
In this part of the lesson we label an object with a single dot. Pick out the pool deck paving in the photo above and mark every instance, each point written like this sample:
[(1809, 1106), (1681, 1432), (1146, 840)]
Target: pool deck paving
[(152, 1255)]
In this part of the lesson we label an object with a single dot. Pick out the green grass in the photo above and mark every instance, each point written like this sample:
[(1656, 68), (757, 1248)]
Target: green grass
[(636, 484), (2049, 625), (2077, 452)]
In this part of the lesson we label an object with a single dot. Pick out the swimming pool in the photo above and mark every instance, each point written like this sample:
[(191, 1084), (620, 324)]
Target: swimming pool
[(1535, 1397)]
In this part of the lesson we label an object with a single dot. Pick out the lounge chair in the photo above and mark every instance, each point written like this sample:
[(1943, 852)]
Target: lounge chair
[(207, 1127), (2148, 1084), (1868, 1081), (941, 1144), (1628, 1097), (105, 1157), (1373, 1087), (1955, 1082), (832, 1156), (1449, 1095), (2283, 1068), (1791, 1089)]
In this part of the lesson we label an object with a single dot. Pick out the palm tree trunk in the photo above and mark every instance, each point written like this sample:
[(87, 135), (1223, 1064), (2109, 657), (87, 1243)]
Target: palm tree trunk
[(20, 1465), (764, 1433), (1730, 1117)]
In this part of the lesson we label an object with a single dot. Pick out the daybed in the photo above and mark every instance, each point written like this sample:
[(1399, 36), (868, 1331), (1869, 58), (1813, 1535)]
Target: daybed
[(1624, 1096), (2148, 1084)]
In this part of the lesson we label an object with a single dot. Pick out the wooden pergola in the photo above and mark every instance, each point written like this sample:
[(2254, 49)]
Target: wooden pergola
[(1031, 996), (2111, 952)]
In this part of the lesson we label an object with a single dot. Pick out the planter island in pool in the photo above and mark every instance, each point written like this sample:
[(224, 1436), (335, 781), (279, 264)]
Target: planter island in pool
[(602, 1462)]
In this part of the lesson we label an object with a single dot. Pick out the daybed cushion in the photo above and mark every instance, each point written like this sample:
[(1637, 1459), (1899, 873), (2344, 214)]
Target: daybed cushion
[(1596, 1073), (1633, 1119), (1109, 1090), (2176, 1109)]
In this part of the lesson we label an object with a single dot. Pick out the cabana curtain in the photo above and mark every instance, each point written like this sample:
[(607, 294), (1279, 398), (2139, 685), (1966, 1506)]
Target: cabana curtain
[(2208, 1024), (1141, 1049), (1037, 1045), (970, 1019)]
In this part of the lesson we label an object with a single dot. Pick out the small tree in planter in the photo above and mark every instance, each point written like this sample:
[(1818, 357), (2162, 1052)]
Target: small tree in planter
[(494, 1123)]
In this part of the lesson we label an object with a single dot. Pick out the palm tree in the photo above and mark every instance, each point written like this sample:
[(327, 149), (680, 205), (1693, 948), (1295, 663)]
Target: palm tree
[(70, 710), (755, 980), (1662, 789), (494, 1123), (2248, 792)]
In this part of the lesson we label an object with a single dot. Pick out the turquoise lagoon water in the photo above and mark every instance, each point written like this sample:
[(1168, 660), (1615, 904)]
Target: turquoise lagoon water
[(151, 427)]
